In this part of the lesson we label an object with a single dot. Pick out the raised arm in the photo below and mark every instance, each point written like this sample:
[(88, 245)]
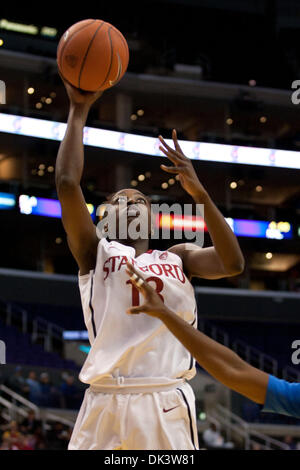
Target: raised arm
[(77, 222), (224, 258), (216, 359)]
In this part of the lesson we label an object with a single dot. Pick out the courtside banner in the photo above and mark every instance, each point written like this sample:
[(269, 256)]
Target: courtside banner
[(145, 145)]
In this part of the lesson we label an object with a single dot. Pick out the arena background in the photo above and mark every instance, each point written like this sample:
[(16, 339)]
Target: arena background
[(221, 73)]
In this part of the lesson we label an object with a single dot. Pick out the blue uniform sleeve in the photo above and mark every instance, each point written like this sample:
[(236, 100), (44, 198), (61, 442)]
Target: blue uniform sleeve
[(282, 397)]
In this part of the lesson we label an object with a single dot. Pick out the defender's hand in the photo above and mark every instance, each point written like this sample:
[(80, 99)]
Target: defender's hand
[(183, 167), (153, 304)]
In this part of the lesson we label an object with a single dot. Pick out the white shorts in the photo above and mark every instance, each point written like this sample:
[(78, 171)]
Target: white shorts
[(150, 420)]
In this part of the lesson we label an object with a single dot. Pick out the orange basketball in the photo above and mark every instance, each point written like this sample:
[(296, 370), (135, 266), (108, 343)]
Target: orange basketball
[(92, 55)]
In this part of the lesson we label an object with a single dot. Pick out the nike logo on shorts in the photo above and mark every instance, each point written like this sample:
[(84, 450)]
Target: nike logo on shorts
[(170, 409)]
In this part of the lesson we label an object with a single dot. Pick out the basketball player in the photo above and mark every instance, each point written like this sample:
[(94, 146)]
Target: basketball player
[(276, 395), (137, 370)]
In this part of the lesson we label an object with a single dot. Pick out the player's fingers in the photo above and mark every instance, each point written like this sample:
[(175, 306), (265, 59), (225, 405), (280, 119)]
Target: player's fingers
[(174, 153), (172, 169), (136, 310), (176, 144), (138, 280), (171, 155), (133, 272)]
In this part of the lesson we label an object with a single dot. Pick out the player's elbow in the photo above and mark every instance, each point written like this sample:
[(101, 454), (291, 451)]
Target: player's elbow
[(236, 268), (65, 183)]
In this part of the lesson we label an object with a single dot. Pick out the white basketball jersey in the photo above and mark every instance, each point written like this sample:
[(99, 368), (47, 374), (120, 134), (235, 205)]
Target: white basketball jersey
[(135, 346)]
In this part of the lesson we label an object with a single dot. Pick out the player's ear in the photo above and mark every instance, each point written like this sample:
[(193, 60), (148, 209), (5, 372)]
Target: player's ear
[(101, 210)]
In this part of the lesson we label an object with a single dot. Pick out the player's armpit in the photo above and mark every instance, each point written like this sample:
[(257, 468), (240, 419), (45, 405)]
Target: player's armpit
[(78, 224), (201, 262)]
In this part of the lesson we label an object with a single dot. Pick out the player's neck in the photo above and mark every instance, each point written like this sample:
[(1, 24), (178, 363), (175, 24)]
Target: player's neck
[(140, 246)]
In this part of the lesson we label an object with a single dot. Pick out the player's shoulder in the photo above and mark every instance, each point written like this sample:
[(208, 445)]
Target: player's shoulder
[(181, 248)]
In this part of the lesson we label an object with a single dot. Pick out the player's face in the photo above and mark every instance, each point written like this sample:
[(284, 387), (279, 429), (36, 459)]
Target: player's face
[(132, 204)]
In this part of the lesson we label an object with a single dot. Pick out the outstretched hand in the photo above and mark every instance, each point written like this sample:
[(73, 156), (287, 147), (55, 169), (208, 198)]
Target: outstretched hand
[(153, 304), (183, 167), (80, 97)]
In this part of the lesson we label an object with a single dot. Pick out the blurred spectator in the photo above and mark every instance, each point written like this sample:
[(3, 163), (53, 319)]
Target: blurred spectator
[(290, 442), (42, 392), (18, 383), (70, 397), (49, 395), (256, 446), (298, 445), (30, 424), (58, 437), (12, 437), (213, 438), (34, 388), (26, 442), (45, 389), (5, 444)]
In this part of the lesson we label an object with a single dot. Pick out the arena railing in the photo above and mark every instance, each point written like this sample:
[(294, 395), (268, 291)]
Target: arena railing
[(233, 424), (249, 353), (291, 374), (255, 357), (14, 406), (39, 328), (16, 403), (48, 331)]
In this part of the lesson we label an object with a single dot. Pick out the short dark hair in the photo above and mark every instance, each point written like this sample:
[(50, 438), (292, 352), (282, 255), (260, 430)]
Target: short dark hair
[(110, 197)]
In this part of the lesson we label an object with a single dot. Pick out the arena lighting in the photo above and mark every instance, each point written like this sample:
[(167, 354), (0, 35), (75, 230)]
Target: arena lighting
[(84, 348), (145, 145), (75, 335), (19, 27), (28, 28), (50, 32), (240, 227), (7, 201), (180, 222), (31, 205)]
